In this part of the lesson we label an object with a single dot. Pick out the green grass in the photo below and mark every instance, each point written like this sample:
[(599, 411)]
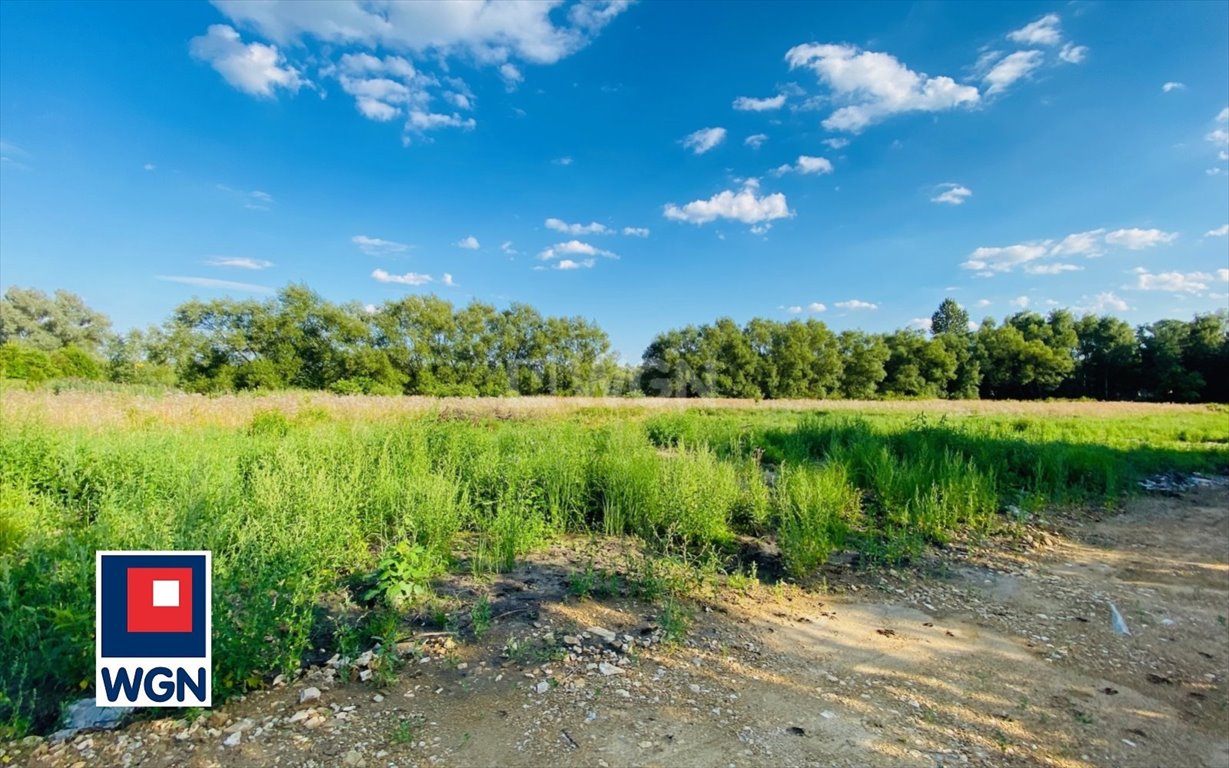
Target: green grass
[(298, 507)]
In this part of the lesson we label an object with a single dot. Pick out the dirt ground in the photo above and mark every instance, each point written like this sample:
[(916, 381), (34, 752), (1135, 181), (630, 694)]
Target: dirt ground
[(1002, 656)]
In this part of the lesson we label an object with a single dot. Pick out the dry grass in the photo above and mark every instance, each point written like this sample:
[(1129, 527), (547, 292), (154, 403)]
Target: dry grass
[(77, 409)]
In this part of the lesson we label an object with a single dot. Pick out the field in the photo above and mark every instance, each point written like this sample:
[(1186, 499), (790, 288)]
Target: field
[(333, 519)]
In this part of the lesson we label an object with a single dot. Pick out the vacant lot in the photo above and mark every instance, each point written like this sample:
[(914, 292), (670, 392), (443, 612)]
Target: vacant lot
[(341, 525)]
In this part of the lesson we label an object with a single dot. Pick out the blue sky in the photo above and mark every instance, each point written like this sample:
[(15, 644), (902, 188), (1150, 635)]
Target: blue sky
[(646, 165)]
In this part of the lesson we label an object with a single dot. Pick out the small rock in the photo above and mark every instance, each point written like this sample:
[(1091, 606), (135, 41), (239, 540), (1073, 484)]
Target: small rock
[(309, 694), (608, 669), (233, 739), (542, 687), (353, 758), (572, 640), (364, 659)]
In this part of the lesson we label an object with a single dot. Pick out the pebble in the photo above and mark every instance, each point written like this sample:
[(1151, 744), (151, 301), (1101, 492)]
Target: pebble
[(309, 694), (608, 669)]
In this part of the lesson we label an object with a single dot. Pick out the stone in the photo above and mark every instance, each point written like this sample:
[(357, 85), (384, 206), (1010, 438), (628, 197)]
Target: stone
[(608, 669), (352, 758), (309, 694), (542, 687), (233, 739)]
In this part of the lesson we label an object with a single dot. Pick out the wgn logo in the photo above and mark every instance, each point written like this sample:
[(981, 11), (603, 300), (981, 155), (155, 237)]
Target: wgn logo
[(153, 625)]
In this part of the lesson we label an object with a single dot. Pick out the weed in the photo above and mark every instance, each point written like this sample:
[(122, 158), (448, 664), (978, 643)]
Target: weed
[(480, 617)]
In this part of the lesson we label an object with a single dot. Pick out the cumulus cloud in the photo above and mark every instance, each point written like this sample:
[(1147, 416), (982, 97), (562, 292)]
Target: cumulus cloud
[(375, 246), (982, 303), (749, 104), (1138, 239), (239, 262), (989, 260), (856, 304), (837, 143), (1019, 301), (409, 278), (814, 307), (1005, 258), (469, 243), (571, 264), (745, 205), (755, 140), (806, 165), (951, 194), (875, 85), (1073, 54), (488, 31), (636, 231), (1101, 303), (1011, 68), (575, 248), (1179, 282), (1220, 231), (447, 280), (492, 34), (254, 68), (1043, 31), (1223, 116), (592, 228), (921, 323), (704, 139), (209, 282), (1051, 269), (1173, 86)]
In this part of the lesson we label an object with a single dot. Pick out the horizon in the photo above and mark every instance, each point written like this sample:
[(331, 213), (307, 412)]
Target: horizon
[(590, 161)]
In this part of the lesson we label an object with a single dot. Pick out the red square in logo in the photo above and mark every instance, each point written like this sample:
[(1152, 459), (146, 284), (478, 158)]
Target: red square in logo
[(159, 599)]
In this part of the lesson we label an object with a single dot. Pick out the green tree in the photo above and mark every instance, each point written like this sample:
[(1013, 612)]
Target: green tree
[(863, 357), (950, 317), (33, 318)]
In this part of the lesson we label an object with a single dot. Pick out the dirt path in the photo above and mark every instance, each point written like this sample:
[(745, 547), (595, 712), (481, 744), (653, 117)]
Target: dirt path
[(1002, 657)]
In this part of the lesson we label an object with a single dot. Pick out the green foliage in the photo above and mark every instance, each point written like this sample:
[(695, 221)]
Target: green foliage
[(403, 575)]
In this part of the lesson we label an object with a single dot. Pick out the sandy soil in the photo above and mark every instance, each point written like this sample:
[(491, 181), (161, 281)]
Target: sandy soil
[(1002, 656)]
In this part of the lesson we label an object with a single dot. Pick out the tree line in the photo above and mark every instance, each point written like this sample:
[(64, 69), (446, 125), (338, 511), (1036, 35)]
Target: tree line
[(423, 345)]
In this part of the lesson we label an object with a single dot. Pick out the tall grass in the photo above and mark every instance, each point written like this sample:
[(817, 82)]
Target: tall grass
[(297, 504)]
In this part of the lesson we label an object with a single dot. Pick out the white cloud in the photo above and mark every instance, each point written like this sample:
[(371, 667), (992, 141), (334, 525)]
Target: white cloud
[(1073, 54), (421, 121), (1173, 86), (254, 68), (592, 228), (447, 280), (755, 140), (806, 165), (574, 248), (1179, 282), (636, 231), (209, 282), (409, 278), (562, 161), (983, 303), (506, 247), (383, 87), (570, 264), (704, 139), (150, 167), (814, 307), (511, 74), (1079, 244), (856, 304), (374, 246), (469, 243), (1223, 116), (836, 143), (239, 262), (1101, 303), (1012, 68), (1137, 239), (255, 200), (1212, 171), (1005, 258), (1043, 31), (951, 194), (876, 85), (1220, 231), (1019, 301), (749, 104), (745, 205), (488, 32), (922, 323), (1050, 269)]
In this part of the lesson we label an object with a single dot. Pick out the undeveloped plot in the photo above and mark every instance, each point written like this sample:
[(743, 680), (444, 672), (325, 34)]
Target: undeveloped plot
[(997, 657)]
